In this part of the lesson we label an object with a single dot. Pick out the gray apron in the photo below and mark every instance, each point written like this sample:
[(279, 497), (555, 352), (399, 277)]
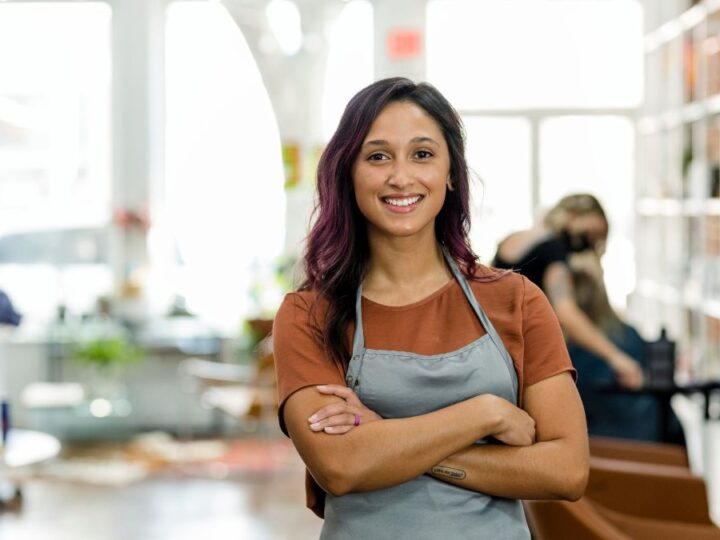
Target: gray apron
[(401, 384)]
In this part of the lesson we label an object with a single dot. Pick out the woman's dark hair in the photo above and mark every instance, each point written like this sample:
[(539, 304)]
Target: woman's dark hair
[(337, 253)]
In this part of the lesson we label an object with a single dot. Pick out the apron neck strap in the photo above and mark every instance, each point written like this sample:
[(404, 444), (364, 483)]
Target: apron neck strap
[(359, 338)]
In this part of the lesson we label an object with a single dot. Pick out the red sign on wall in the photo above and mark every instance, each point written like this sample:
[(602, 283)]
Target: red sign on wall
[(404, 44)]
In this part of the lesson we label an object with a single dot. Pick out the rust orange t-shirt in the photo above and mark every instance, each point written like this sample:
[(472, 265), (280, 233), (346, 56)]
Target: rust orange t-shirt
[(441, 322)]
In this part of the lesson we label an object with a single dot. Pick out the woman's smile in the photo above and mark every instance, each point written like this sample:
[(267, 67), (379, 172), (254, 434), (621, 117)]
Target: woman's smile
[(402, 204)]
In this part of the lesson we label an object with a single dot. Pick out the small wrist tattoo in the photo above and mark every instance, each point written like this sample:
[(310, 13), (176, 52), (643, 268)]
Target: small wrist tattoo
[(449, 472)]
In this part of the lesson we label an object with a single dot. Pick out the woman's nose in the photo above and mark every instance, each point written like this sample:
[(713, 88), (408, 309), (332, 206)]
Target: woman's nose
[(400, 176)]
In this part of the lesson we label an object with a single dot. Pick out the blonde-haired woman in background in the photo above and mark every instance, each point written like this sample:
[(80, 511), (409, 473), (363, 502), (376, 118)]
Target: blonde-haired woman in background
[(577, 223)]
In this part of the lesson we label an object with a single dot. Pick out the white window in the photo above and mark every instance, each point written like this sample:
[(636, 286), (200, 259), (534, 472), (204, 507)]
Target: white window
[(501, 54), (350, 60), (55, 142), (566, 77), (225, 203), (498, 153)]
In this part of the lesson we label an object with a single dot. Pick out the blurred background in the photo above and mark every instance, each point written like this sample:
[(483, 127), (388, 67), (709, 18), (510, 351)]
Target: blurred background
[(157, 162)]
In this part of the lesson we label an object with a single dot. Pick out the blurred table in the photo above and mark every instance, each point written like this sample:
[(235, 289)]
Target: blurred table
[(26, 447), (664, 393), (23, 447)]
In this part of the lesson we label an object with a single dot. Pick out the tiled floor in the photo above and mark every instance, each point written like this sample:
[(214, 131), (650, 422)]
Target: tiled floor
[(164, 508)]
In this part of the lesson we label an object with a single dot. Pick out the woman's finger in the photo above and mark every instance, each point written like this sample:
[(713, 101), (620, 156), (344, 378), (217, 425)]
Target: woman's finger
[(338, 430), (331, 410), (341, 391), (344, 419)]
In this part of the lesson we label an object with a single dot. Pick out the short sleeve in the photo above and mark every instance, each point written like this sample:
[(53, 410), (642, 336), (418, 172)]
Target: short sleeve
[(300, 360), (545, 351)]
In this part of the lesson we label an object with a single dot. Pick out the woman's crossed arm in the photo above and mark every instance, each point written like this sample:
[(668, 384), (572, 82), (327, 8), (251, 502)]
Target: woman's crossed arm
[(384, 453), (555, 467)]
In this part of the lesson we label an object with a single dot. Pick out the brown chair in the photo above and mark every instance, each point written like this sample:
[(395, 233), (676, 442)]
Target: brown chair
[(586, 520), (657, 529), (643, 452), (647, 490), (556, 520), (635, 490)]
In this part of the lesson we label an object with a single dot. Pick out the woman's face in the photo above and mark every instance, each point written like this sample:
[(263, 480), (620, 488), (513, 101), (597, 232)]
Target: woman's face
[(592, 226), (402, 171)]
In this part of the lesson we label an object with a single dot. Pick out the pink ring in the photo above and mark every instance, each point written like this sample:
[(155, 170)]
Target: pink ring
[(357, 420)]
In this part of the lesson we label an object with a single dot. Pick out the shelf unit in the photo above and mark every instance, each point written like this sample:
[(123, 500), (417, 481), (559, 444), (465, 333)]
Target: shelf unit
[(678, 182)]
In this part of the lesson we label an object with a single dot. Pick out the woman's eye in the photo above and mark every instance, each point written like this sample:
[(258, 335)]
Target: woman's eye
[(377, 157), (423, 154)]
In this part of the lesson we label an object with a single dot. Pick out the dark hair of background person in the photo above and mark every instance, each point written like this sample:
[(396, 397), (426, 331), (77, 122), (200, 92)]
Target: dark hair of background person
[(337, 253)]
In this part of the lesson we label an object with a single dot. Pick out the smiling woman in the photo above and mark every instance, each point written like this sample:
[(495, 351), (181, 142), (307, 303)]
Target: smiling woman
[(402, 170), (417, 410)]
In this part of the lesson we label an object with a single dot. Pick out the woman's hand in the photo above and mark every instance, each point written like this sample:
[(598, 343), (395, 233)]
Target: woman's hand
[(339, 418), (627, 370), (515, 427)]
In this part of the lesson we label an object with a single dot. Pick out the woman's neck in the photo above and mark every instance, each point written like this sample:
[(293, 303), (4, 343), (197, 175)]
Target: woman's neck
[(403, 270)]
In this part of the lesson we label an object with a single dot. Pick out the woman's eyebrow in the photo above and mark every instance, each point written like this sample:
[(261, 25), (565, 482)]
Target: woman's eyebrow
[(377, 142), (414, 140), (424, 140)]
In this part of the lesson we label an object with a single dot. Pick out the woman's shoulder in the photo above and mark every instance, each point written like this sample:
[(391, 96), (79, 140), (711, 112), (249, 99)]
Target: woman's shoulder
[(299, 305), (300, 298), (493, 277)]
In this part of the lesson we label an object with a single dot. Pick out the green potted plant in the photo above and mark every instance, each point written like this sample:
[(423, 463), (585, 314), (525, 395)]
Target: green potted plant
[(107, 357)]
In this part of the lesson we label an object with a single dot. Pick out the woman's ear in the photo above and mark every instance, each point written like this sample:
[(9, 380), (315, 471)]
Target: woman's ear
[(450, 184)]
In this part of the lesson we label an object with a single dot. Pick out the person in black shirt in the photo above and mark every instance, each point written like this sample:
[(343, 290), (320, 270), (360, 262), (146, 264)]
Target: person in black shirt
[(575, 224)]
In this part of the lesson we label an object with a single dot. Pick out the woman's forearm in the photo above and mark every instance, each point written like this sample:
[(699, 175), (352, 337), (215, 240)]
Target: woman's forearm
[(555, 467), (388, 452), (544, 470), (557, 283), (581, 330)]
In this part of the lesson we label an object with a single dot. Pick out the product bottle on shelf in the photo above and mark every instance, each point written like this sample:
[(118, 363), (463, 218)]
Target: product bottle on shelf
[(661, 361)]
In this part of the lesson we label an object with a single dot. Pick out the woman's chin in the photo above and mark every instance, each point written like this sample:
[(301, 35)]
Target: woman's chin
[(405, 230)]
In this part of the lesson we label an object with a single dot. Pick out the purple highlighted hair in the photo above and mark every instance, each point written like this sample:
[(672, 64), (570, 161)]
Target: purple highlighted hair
[(337, 253)]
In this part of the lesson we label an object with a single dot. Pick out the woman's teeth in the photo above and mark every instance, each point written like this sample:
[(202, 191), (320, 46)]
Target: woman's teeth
[(403, 202)]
